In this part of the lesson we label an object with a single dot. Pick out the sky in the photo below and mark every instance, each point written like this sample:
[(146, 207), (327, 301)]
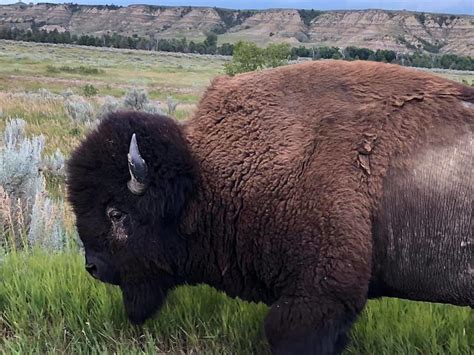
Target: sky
[(443, 6)]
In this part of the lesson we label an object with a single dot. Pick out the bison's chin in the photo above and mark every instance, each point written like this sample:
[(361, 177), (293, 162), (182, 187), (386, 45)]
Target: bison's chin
[(143, 299)]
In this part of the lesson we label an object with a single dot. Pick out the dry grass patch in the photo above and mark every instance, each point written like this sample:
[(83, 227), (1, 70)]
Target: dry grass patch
[(29, 105)]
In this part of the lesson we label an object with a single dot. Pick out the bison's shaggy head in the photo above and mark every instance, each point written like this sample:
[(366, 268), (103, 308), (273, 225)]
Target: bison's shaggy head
[(128, 183)]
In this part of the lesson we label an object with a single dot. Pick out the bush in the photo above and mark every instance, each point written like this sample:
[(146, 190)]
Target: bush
[(20, 160), (90, 90), (54, 164), (149, 108), (109, 105), (78, 109), (46, 94), (171, 105), (28, 217), (135, 99), (67, 93)]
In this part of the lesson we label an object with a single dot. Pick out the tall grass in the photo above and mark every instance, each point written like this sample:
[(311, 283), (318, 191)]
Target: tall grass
[(48, 304), (83, 70)]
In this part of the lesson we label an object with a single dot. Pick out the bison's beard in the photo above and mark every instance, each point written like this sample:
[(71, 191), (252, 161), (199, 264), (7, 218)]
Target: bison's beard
[(143, 300)]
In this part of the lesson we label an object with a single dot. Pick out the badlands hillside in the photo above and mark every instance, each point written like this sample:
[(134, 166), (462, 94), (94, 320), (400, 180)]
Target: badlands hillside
[(402, 31)]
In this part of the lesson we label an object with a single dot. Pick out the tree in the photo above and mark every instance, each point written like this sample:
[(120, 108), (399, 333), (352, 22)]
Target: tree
[(247, 57), (327, 53), (383, 55), (226, 49), (358, 53), (301, 51), (276, 55), (211, 43)]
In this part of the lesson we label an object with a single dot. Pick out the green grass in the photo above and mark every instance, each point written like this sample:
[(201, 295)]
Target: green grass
[(74, 70), (48, 305), (24, 65)]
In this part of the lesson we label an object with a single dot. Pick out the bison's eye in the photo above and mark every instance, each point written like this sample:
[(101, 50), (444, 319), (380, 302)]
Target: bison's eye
[(114, 214)]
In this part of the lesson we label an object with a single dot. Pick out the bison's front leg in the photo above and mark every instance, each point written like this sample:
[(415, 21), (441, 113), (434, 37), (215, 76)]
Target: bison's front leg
[(305, 326), (314, 315)]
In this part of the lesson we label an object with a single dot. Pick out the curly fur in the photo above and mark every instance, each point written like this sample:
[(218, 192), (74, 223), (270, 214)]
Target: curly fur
[(271, 192)]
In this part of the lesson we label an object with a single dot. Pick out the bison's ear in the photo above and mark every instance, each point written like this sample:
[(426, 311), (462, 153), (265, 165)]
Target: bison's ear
[(177, 196)]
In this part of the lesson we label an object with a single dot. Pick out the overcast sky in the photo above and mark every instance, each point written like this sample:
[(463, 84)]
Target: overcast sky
[(445, 6)]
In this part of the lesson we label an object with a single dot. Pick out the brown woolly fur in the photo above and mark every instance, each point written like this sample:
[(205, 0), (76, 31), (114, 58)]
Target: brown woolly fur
[(310, 187)]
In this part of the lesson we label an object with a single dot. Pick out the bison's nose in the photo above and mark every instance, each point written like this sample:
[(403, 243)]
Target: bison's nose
[(92, 269)]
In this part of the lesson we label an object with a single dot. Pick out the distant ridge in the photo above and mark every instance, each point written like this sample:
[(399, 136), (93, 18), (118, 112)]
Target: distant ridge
[(401, 31)]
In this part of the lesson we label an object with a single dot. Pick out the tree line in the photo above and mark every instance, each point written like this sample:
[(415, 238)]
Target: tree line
[(417, 59), (115, 40), (210, 46)]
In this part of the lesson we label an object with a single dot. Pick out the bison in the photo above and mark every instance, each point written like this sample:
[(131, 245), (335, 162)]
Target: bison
[(310, 187)]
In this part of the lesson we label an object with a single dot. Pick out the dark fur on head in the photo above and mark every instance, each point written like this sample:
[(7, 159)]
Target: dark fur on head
[(143, 245)]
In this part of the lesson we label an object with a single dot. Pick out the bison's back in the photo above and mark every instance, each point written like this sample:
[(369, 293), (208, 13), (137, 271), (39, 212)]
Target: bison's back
[(309, 120)]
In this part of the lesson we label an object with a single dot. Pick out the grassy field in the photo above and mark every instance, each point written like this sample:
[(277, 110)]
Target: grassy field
[(48, 304), (28, 66)]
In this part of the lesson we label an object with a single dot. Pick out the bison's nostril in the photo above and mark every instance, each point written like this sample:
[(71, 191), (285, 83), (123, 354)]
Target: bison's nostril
[(91, 269)]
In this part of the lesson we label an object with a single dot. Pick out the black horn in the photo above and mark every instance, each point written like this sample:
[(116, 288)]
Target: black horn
[(138, 169)]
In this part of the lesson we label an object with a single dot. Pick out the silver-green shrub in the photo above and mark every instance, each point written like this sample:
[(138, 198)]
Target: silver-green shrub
[(45, 93), (28, 216), (149, 108), (81, 111), (135, 99), (78, 109), (109, 105), (67, 93), (46, 228), (172, 104), (54, 163), (20, 159)]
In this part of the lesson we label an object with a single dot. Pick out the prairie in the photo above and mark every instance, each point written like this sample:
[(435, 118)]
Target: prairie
[(48, 304)]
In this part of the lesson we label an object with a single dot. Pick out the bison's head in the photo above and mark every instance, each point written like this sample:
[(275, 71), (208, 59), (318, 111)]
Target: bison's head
[(128, 183)]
